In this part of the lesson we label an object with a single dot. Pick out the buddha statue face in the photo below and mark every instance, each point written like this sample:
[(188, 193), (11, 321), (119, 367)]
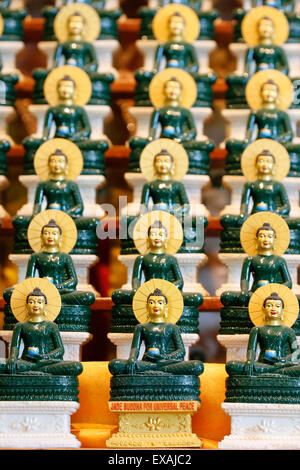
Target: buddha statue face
[(266, 239), (66, 89), (265, 165), (273, 308), (157, 237), (265, 29), (58, 165), (51, 237), (172, 90), (176, 26), (36, 305), (75, 25), (269, 93), (163, 164), (157, 307)]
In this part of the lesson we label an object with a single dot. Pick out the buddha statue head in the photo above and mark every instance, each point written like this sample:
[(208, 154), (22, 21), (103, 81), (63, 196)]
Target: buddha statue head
[(270, 94), (58, 165), (163, 164), (273, 309), (36, 302), (158, 237), (265, 165), (266, 240), (157, 306), (66, 90), (75, 26), (176, 25), (51, 237), (172, 92), (265, 30)]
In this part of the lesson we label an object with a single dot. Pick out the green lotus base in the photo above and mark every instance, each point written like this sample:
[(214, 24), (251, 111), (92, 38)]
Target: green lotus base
[(198, 153), (154, 387), (124, 321), (38, 387), (109, 27), (4, 148), (262, 389), (206, 19), (13, 24), (93, 153), (101, 82), (75, 318)]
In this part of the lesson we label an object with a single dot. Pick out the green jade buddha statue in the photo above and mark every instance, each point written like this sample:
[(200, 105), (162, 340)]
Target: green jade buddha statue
[(157, 263), (43, 348), (279, 353), (69, 121), (55, 266), (165, 192), (164, 348), (172, 121), (265, 267), (268, 122), (266, 55)]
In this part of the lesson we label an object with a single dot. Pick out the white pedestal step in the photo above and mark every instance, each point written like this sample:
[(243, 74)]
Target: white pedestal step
[(82, 264), (37, 424), (234, 262), (123, 343), (262, 426), (104, 49), (142, 115), (9, 50), (193, 184), (96, 115), (188, 264), (235, 185), (72, 341), (203, 48), (88, 186)]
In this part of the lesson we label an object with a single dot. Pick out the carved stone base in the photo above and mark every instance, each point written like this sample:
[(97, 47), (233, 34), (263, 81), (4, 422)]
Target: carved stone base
[(235, 185), (96, 115), (203, 48), (88, 186), (82, 264), (147, 426), (142, 115), (72, 341), (236, 122), (188, 264), (123, 341), (9, 50), (193, 184), (36, 424), (262, 426), (234, 262), (104, 50)]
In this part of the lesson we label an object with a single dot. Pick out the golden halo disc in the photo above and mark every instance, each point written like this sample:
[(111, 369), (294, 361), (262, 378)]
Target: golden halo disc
[(249, 27), (254, 222), (291, 304), (169, 221), (173, 294), (188, 84), (80, 77), (254, 85), (161, 19), (21, 291), (279, 152), (91, 18), (1, 25), (75, 158), (66, 223), (178, 152)]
